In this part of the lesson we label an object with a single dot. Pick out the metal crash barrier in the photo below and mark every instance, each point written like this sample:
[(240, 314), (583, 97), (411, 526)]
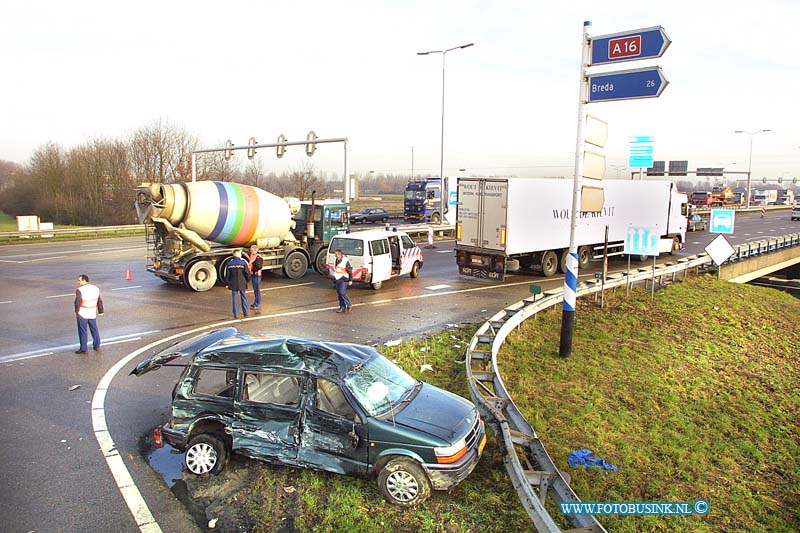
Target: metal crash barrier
[(533, 473)]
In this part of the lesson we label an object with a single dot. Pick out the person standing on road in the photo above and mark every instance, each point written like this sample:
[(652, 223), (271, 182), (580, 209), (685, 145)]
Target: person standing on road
[(237, 275), (255, 263), (88, 305), (342, 278)]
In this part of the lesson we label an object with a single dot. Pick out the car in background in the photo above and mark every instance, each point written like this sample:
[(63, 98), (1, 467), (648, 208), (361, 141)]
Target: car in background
[(696, 223), (337, 407), (369, 214), (796, 211)]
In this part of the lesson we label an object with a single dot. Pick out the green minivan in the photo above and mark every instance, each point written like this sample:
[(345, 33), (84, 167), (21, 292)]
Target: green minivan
[(338, 407)]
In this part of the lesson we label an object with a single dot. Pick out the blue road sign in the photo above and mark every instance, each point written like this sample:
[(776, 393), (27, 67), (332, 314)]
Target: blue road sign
[(641, 241), (721, 221), (627, 84), (640, 152), (646, 43)]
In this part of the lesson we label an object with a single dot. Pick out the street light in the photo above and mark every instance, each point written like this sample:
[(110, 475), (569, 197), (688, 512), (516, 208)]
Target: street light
[(750, 163), (442, 192)]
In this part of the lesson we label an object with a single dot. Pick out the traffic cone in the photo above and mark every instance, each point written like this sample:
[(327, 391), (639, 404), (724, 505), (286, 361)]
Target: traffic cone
[(128, 275), (430, 238)]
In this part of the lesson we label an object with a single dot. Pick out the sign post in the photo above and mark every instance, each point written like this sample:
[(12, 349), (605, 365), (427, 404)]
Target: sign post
[(646, 43)]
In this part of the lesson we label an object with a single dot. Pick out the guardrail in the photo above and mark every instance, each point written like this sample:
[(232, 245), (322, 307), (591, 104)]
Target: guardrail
[(16, 235), (533, 473)]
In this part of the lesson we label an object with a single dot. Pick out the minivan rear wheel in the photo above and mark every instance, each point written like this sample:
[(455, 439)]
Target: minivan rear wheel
[(206, 454), (403, 482)]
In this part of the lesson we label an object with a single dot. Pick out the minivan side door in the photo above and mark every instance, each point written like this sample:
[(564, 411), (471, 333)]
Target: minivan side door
[(333, 437), (381, 259), (267, 414)]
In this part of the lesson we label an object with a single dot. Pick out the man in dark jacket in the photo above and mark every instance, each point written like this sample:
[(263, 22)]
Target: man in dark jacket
[(237, 275)]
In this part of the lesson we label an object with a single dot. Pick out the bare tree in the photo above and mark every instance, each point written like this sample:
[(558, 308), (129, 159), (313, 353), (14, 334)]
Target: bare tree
[(301, 181), (162, 152), (7, 171)]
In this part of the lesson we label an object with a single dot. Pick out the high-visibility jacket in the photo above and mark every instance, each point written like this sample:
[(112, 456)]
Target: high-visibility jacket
[(88, 301), (342, 268)]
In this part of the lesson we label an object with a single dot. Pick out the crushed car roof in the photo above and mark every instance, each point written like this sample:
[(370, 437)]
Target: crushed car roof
[(229, 347)]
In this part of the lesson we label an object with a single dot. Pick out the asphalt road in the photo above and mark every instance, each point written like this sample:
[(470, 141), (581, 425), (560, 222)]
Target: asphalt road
[(55, 476)]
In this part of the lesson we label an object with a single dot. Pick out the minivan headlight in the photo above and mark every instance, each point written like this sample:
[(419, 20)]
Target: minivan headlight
[(451, 454)]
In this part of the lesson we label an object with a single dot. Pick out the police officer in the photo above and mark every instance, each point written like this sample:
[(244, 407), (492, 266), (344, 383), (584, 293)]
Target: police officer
[(237, 274), (88, 305), (255, 263), (342, 278)]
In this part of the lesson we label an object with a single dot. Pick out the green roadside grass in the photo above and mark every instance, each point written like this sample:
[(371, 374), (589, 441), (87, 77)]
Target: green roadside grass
[(693, 396), (7, 222)]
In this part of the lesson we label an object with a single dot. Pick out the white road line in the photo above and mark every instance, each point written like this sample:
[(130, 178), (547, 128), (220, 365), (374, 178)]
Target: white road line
[(54, 255), (39, 353), (283, 287), (120, 342), (437, 287), (6, 302), (127, 288), (445, 252), (61, 295)]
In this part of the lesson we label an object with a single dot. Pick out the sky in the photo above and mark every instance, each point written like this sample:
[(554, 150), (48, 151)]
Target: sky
[(76, 71)]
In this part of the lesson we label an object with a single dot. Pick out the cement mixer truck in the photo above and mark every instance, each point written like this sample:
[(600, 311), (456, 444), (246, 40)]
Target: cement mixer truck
[(193, 228)]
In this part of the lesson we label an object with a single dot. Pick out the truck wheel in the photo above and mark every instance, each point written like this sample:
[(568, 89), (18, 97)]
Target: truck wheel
[(320, 261), (295, 265), (436, 218), (221, 266), (676, 246), (206, 454), (562, 261), (201, 276), (549, 263), (403, 482), (415, 270), (376, 286), (584, 256)]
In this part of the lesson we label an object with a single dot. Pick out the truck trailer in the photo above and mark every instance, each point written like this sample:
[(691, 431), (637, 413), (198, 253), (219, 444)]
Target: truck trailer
[(192, 230), (513, 224)]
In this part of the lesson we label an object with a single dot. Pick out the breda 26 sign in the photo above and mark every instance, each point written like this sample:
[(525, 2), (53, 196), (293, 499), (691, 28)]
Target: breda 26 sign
[(646, 43)]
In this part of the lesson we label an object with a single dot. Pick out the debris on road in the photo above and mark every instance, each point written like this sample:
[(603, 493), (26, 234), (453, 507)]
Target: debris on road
[(75, 387)]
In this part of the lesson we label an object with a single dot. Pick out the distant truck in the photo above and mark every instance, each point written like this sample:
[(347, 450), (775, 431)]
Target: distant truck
[(193, 228), (785, 197), (723, 196), (765, 197), (422, 200), (512, 224), (701, 198)]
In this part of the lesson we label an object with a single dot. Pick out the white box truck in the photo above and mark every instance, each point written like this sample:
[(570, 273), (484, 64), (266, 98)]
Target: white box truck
[(510, 224)]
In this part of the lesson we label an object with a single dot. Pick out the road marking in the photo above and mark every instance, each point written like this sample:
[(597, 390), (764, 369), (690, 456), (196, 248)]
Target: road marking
[(127, 288), (437, 287), (61, 295), (6, 302), (445, 252), (120, 342), (39, 353), (283, 287)]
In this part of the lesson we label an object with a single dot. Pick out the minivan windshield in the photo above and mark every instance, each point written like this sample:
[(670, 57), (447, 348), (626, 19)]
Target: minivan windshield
[(379, 384)]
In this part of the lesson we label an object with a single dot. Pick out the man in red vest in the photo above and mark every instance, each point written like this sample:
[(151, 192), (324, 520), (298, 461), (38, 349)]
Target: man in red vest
[(88, 305)]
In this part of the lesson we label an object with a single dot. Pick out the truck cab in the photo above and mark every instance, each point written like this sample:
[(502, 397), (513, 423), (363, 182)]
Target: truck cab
[(377, 255), (330, 217), (422, 200)]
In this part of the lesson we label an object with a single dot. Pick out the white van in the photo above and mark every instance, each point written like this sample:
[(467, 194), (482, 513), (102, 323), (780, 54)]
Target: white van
[(377, 255)]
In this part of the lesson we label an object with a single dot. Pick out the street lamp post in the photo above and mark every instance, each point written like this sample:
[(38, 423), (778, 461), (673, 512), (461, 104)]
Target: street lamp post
[(442, 191), (750, 163)]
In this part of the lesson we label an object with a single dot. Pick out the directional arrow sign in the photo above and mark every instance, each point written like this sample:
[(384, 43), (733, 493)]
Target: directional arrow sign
[(627, 84), (646, 43), (641, 241)]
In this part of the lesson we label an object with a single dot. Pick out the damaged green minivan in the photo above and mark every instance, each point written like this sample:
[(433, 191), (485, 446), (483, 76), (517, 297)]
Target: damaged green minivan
[(338, 407)]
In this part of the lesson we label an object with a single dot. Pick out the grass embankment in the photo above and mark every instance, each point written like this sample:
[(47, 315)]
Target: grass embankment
[(390, 202), (692, 396), (8, 223)]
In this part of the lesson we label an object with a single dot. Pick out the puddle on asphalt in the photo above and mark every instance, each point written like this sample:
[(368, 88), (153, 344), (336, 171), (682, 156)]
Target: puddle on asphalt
[(168, 463)]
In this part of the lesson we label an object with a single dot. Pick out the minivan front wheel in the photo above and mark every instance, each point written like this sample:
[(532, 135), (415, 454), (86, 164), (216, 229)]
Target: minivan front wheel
[(206, 454), (403, 482)]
